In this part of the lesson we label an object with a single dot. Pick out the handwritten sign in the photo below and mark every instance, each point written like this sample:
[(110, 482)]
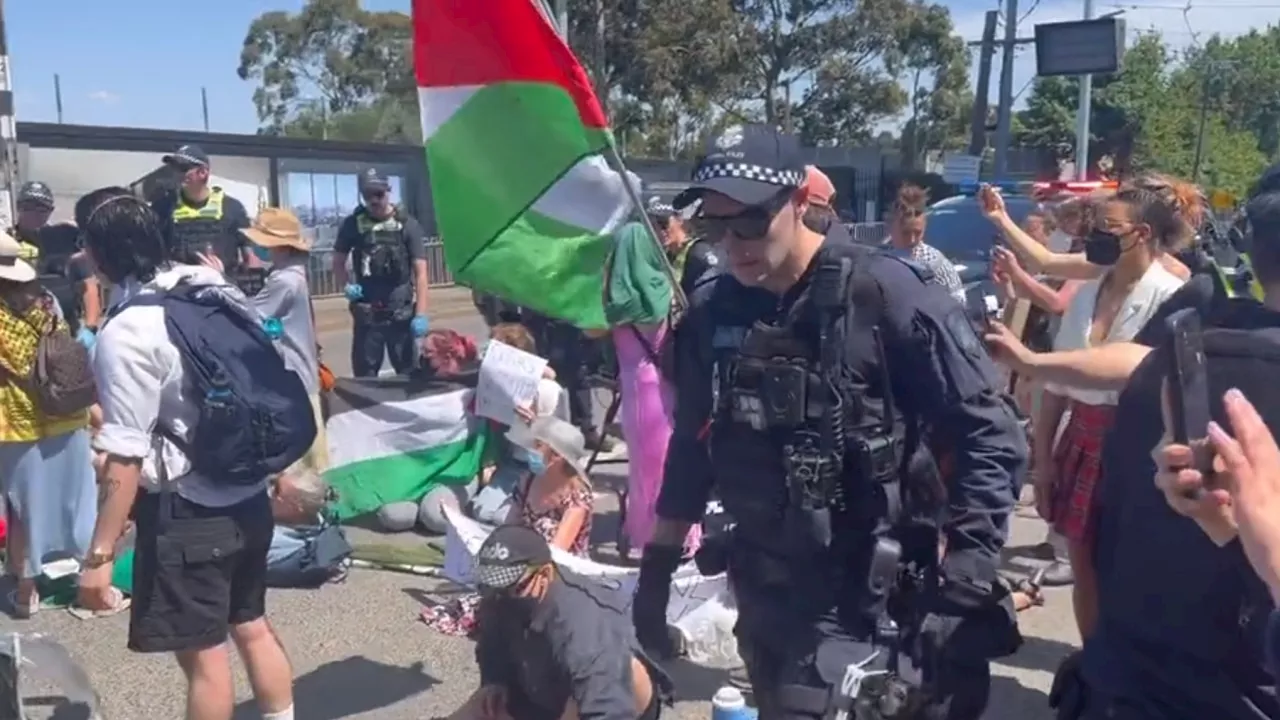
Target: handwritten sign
[(508, 379), (701, 607)]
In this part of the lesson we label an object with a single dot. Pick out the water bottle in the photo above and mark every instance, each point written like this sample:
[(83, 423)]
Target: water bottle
[(728, 704)]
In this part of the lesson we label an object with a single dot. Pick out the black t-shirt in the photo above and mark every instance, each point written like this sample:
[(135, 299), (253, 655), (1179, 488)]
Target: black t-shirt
[(1179, 632)]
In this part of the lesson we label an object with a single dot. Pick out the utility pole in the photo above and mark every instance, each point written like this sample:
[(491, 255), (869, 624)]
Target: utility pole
[(1004, 125), (560, 14), (1210, 68), (982, 96), (8, 134), (1083, 111), (204, 107)]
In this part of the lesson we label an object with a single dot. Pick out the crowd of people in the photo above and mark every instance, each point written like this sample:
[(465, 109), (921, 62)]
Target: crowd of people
[(837, 400)]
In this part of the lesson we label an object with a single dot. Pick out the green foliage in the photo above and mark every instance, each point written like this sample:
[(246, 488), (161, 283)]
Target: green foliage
[(1148, 117), (671, 73)]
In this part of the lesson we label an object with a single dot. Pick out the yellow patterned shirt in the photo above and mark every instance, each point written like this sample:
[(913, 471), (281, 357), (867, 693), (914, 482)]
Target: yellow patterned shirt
[(20, 419)]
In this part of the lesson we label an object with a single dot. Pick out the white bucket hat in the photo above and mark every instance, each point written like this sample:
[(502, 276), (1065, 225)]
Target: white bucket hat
[(12, 267), (562, 437)]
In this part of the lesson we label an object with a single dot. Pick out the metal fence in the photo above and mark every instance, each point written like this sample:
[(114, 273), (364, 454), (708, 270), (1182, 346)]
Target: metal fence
[(323, 284)]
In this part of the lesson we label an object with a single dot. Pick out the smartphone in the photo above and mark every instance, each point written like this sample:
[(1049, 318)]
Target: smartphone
[(1189, 386)]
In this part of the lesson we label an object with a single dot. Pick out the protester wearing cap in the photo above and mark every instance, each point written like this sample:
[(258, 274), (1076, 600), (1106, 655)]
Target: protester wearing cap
[(388, 280), (552, 643), (201, 220), (822, 194), (285, 304), (46, 475), (887, 324)]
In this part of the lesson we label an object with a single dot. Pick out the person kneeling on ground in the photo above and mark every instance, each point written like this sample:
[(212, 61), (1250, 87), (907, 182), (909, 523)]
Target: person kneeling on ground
[(554, 644)]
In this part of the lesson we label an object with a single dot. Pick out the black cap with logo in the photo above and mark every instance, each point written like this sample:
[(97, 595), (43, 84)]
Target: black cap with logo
[(507, 554), (187, 157), (748, 163), (371, 180), (36, 195)]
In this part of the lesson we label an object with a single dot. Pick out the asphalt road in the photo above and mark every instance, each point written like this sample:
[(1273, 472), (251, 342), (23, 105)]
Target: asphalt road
[(360, 651)]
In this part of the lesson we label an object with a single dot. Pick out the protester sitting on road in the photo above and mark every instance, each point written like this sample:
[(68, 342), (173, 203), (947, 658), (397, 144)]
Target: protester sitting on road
[(1078, 265), (285, 305), (555, 644), (45, 464), (553, 498), (637, 306), (499, 481), (199, 570)]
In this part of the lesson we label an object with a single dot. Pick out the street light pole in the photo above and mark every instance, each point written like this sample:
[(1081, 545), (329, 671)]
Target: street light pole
[(8, 134), (1083, 111)]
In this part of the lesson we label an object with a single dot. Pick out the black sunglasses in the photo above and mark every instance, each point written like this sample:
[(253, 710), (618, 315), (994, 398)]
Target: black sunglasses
[(374, 194), (751, 223)]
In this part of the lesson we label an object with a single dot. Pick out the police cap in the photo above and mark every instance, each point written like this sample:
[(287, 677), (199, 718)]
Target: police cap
[(657, 209), (507, 554), (35, 195), (371, 180), (187, 157), (749, 163)]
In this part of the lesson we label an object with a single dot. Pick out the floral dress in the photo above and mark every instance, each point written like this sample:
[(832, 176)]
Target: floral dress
[(459, 617)]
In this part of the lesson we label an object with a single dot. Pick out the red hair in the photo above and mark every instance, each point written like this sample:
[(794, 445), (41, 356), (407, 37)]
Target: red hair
[(448, 352)]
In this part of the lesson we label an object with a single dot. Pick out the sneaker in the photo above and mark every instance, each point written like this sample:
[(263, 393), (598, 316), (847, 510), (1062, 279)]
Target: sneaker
[(1058, 573), (609, 449)]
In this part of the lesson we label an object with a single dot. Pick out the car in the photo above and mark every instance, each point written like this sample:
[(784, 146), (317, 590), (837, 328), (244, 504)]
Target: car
[(957, 228)]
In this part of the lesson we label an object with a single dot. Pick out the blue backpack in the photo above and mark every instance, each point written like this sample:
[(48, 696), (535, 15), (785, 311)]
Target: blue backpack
[(256, 418)]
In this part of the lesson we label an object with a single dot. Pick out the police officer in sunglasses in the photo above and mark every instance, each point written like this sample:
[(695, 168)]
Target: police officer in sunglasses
[(815, 380)]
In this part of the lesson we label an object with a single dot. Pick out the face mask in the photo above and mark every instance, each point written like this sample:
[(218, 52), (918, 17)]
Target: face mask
[(264, 254), (1102, 248), (536, 464)]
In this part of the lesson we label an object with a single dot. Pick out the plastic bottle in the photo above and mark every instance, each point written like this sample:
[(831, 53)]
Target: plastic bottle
[(728, 704)]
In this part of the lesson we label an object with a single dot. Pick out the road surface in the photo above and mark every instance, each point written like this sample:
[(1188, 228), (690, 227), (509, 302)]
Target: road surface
[(360, 651)]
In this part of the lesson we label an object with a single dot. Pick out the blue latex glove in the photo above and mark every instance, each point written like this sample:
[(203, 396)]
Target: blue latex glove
[(86, 338), (353, 291), (418, 325), (273, 328)]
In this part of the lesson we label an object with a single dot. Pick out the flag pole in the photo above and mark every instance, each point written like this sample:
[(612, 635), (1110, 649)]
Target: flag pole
[(614, 159)]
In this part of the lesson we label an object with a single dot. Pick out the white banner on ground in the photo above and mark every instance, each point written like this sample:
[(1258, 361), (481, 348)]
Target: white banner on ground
[(701, 607)]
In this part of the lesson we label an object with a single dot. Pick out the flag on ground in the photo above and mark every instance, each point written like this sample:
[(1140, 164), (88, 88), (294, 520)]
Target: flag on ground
[(524, 200), (394, 439)]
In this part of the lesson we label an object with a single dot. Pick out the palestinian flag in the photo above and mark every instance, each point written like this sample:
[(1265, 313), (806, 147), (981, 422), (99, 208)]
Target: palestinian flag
[(395, 438), (524, 199)]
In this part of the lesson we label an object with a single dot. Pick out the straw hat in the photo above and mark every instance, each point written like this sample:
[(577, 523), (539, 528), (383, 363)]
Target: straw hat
[(277, 227), (12, 267)]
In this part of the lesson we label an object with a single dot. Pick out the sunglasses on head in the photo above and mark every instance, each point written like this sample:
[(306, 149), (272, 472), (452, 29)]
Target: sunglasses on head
[(750, 223)]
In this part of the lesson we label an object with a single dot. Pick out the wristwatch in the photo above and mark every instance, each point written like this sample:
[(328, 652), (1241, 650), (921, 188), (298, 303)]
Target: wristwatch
[(98, 557)]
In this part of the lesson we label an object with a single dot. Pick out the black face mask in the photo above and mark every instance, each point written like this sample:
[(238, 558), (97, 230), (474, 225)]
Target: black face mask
[(1102, 248)]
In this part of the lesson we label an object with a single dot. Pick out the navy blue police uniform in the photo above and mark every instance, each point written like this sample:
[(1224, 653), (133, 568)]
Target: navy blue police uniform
[(803, 415), (210, 227), (383, 253)]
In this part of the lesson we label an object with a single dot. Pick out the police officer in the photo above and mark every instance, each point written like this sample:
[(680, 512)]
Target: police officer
[(200, 220), (809, 375), (387, 289), (691, 256), (63, 270)]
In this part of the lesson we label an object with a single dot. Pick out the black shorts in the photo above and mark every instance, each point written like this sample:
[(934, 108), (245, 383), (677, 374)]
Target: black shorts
[(204, 572)]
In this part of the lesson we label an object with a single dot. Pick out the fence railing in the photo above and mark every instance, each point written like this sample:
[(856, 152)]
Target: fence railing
[(320, 269)]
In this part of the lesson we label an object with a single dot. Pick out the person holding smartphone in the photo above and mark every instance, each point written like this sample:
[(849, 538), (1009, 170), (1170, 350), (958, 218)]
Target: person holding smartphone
[(1181, 614)]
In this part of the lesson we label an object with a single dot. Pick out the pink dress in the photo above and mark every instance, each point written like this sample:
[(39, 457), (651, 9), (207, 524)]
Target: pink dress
[(648, 405)]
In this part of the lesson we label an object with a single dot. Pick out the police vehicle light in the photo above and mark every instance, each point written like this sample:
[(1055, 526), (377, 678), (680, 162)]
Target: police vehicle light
[(1076, 186), (1010, 187)]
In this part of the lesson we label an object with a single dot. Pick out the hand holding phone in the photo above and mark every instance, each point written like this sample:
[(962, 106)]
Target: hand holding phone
[(1189, 389)]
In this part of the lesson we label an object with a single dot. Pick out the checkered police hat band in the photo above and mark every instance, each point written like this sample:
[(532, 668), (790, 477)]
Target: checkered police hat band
[(185, 159), (747, 171), (498, 576)]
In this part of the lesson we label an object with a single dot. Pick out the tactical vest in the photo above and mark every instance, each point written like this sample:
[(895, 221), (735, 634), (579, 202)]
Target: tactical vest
[(1244, 284), (198, 230), (381, 259)]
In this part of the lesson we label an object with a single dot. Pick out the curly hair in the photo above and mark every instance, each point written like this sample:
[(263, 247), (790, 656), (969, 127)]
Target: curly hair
[(122, 233), (1172, 208)]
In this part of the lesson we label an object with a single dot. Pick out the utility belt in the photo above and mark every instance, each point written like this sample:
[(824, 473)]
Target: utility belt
[(380, 312)]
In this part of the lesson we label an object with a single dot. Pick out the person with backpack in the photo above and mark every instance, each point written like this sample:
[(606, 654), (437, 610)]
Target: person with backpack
[(387, 285), (46, 389), (199, 412), (1180, 612)]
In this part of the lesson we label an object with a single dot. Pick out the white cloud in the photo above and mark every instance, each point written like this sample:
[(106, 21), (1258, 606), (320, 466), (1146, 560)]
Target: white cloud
[(1180, 30), (105, 97)]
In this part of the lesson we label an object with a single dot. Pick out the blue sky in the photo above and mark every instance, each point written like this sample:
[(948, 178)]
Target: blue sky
[(129, 63)]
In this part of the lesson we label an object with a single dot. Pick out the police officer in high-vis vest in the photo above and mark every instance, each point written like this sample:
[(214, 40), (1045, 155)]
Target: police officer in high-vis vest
[(387, 282), (52, 249), (202, 220)]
